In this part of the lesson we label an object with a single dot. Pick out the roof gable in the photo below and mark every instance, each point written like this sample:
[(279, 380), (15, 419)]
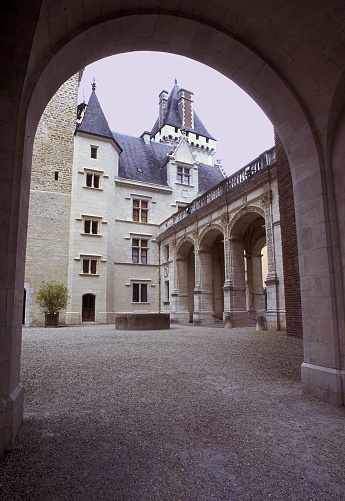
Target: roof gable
[(183, 152)]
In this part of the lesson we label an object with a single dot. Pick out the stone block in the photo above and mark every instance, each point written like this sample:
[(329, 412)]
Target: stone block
[(142, 321)]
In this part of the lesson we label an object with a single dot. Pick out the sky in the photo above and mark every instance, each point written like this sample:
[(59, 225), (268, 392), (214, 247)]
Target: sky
[(128, 85)]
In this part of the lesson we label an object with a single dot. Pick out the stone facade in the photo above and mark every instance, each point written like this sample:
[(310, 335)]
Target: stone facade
[(50, 197), (211, 253), (100, 233)]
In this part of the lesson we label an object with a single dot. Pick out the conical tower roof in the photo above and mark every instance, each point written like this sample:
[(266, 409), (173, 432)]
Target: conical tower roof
[(94, 121)]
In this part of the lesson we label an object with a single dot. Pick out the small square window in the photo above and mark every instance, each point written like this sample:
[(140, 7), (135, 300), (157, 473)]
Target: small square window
[(90, 266), (92, 180), (183, 175), (91, 227), (139, 293), (94, 151)]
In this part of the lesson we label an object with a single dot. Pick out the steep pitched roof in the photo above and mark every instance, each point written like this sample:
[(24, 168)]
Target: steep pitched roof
[(144, 162), (94, 121), (172, 117), (140, 161)]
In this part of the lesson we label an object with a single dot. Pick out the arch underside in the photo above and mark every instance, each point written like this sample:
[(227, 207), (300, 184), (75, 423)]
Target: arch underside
[(298, 81)]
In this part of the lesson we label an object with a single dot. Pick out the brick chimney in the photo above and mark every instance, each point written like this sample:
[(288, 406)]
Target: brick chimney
[(186, 108), (163, 106)]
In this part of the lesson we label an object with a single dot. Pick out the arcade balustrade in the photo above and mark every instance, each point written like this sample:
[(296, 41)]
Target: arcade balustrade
[(229, 184)]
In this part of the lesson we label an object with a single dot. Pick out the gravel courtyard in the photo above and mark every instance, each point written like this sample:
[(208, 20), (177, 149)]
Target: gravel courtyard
[(191, 413)]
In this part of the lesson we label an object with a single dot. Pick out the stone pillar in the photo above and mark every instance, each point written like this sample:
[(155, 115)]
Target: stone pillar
[(203, 295), (272, 282), (174, 290), (237, 286)]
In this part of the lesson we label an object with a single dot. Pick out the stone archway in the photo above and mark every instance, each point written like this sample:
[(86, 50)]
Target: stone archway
[(211, 266), (295, 79), (183, 307)]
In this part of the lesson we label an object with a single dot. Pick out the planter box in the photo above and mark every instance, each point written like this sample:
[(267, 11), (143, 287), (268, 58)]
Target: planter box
[(51, 320)]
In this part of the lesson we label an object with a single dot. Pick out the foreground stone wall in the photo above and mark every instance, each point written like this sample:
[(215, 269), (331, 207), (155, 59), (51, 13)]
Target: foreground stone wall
[(50, 197)]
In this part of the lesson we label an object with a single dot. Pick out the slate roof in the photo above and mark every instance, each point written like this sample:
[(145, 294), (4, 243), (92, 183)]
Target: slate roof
[(172, 117), (140, 161), (150, 158), (94, 121), (209, 176)]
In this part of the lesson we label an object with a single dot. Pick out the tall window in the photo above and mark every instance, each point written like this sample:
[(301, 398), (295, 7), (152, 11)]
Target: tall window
[(140, 210), (139, 293), (92, 180), (91, 227), (183, 175), (139, 250), (90, 266), (94, 151)]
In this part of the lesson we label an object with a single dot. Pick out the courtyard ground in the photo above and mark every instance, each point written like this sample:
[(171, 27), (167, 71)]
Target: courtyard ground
[(190, 413)]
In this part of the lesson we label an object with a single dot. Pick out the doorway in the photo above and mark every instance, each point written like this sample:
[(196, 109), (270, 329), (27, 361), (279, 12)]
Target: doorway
[(88, 310)]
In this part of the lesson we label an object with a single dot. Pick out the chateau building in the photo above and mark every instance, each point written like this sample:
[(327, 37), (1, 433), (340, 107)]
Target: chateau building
[(108, 200), (99, 219)]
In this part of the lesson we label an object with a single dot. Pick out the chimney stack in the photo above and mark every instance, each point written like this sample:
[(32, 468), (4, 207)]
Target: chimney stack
[(186, 108), (163, 106)]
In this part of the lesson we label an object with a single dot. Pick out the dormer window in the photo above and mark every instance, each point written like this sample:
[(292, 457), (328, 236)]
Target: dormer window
[(94, 151), (183, 175)]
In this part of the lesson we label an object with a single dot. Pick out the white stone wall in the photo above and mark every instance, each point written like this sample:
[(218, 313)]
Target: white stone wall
[(97, 203), (202, 147)]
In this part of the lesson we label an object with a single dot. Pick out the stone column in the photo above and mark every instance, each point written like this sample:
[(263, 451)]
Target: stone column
[(237, 286), (174, 290), (203, 296), (272, 282)]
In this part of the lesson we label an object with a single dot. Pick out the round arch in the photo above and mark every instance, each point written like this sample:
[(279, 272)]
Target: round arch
[(234, 39), (209, 234)]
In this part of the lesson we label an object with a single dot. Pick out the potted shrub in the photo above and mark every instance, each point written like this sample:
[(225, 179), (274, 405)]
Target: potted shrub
[(52, 297)]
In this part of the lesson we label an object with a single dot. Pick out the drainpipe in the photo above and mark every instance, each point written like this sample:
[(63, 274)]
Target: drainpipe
[(159, 277)]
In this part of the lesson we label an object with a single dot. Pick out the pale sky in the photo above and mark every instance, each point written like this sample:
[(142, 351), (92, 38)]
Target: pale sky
[(128, 86)]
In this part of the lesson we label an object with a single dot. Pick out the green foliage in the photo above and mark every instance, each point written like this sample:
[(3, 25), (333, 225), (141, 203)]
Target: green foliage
[(52, 297)]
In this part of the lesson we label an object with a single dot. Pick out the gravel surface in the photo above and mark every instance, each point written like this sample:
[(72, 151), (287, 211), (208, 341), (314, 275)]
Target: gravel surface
[(191, 413)]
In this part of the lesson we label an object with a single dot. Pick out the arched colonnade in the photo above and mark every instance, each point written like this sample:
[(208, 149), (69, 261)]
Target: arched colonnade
[(216, 273)]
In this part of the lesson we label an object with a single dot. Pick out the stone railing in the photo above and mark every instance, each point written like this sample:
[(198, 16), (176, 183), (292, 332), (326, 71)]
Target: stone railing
[(261, 163)]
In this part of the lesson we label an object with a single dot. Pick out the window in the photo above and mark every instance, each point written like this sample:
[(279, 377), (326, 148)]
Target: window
[(90, 266), (183, 175), (139, 293), (92, 180), (56, 175), (140, 210), (167, 292), (94, 151), (167, 252), (91, 227), (139, 250)]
